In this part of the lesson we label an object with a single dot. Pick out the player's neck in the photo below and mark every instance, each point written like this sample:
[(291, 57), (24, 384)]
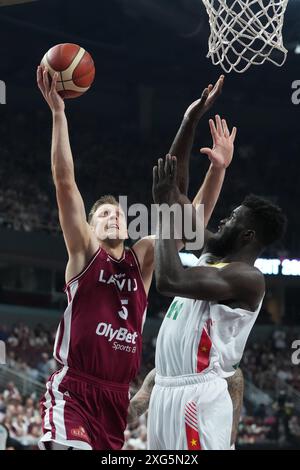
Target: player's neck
[(116, 251)]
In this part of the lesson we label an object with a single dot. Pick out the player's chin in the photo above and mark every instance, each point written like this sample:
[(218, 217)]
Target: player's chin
[(115, 235)]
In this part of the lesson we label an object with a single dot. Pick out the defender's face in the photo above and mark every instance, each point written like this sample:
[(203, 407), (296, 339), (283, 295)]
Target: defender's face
[(109, 223), (229, 224), (230, 229)]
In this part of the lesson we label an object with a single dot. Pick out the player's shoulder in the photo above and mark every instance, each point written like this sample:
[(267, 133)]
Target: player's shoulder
[(243, 268), (246, 276)]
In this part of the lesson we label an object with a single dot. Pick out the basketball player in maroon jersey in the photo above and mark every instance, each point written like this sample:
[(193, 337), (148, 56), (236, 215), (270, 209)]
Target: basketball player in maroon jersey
[(98, 343)]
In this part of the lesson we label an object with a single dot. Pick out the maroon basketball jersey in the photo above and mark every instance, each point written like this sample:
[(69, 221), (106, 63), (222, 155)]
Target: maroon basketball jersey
[(101, 331)]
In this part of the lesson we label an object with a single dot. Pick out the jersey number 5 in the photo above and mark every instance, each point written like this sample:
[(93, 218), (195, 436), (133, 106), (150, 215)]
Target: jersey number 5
[(124, 312)]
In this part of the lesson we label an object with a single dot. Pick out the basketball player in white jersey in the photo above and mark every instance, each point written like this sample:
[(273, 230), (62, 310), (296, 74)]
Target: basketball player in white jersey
[(86, 402), (140, 402), (203, 335)]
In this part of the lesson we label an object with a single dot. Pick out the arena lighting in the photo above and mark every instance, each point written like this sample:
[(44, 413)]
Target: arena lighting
[(290, 267), (268, 266), (284, 267), (297, 49)]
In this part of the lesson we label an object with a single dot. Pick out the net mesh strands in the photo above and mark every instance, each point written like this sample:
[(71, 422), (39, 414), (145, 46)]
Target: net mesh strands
[(245, 33)]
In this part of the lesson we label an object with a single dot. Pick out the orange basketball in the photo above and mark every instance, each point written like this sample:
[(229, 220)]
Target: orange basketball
[(75, 67)]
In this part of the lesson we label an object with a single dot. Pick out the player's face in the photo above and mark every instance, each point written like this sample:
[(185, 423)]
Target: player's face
[(225, 239), (234, 219), (109, 223)]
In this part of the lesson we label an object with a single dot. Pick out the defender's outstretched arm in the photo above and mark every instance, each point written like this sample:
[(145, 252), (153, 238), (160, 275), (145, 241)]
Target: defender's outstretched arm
[(184, 139)]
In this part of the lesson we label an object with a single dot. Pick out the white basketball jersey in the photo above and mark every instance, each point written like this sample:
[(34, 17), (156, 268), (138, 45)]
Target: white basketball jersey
[(198, 336)]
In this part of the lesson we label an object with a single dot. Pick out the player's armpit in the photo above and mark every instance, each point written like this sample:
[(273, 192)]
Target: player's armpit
[(76, 264)]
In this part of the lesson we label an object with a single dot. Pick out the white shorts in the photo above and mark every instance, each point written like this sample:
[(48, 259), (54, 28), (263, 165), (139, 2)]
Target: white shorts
[(192, 412)]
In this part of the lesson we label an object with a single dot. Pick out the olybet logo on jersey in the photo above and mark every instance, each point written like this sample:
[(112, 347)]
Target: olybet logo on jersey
[(122, 335)]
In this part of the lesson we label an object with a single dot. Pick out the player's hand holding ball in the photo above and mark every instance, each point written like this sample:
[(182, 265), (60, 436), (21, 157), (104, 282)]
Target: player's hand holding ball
[(55, 102), (71, 70)]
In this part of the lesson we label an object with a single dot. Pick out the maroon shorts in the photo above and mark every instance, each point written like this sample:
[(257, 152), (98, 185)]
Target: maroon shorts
[(82, 412)]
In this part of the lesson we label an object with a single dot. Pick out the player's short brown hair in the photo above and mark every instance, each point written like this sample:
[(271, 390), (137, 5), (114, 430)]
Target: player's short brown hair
[(108, 199)]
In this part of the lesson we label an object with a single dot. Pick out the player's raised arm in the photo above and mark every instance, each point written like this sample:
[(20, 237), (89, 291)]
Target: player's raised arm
[(184, 139), (72, 214), (210, 190), (238, 281), (220, 156)]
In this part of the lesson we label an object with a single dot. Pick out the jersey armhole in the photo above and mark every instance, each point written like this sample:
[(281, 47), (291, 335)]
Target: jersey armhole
[(83, 271), (137, 261), (139, 269)]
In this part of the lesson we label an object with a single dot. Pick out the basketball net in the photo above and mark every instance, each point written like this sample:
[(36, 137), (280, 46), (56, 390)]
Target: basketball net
[(245, 33)]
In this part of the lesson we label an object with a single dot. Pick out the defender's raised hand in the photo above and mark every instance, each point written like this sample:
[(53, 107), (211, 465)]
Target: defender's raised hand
[(209, 95), (54, 100), (165, 189), (223, 143)]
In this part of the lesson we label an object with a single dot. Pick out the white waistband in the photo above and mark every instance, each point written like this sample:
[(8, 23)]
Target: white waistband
[(182, 380)]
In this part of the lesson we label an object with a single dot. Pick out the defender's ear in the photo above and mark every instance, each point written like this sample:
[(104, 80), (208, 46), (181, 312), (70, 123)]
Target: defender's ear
[(249, 235)]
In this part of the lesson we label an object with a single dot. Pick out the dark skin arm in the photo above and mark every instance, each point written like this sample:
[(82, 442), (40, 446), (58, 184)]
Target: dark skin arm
[(236, 392), (184, 139), (237, 281), (140, 402), (220, 157)]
